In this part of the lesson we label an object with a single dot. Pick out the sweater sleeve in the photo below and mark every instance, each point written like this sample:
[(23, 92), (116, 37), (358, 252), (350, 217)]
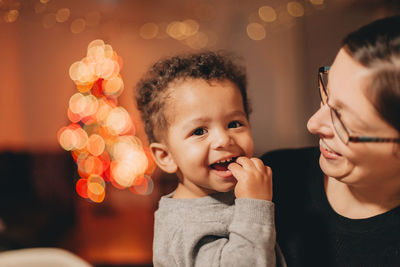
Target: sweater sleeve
[(250, 241)]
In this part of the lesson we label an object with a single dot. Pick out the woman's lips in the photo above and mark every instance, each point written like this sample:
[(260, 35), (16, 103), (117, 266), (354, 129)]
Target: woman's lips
[(327, 152)]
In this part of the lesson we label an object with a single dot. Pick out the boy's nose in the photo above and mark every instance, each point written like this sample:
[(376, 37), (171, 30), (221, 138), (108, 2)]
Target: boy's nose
[(320, 122), (221, 139)]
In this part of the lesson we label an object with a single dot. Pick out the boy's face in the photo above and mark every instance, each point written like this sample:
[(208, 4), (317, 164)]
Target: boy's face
[(208, 129)]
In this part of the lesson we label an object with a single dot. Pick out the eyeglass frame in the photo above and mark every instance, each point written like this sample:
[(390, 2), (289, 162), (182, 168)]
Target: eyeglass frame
[(334, 115)]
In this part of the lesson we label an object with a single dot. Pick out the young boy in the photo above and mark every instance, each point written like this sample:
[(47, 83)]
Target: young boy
[(195, 111)]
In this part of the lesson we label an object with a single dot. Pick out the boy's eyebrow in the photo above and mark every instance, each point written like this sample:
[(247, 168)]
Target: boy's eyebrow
[(237, 113), (201, 120)]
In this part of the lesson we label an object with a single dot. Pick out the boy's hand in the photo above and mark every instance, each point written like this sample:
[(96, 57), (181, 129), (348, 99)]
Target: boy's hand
[(254, 180)]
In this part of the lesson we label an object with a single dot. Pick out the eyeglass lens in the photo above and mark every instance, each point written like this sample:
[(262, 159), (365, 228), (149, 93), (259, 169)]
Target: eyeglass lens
[(339, 127), (337, 123)]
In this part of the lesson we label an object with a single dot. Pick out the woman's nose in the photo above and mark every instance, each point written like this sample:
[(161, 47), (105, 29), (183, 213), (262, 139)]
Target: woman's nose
[(320, 122), (221, 139)]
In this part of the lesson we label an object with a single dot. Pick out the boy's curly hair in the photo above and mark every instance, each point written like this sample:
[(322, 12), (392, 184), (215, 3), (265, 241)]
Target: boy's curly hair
[(151, 90)]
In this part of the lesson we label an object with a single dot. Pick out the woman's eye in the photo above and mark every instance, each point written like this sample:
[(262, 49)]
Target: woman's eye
[(235, 124), (199, 131)]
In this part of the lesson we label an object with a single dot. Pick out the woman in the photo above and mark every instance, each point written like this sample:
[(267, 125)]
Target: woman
[(345, 211)]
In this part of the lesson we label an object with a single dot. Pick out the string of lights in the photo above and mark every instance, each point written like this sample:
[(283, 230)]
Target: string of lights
[(190, 31), (101, 135)]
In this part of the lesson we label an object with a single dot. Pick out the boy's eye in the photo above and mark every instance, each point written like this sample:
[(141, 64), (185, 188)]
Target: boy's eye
[(235, 124), (199, 131)]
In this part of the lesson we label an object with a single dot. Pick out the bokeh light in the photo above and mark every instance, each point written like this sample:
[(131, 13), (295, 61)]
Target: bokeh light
[(101, 136), (256, 31), (11, 16), (317, 2), (78, 26), (267, 13), (295, 9), (63, 14), (149, 30), (198, 41), (143, 187)]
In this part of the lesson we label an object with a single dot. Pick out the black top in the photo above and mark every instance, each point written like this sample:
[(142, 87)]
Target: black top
[(311, 233)]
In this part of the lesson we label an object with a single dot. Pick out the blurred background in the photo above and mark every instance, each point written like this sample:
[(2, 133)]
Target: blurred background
[(281, 42)]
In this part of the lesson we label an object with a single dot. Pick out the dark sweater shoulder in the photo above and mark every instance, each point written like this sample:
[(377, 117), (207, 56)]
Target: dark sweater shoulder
[(310, 232), (288, 159), (296, 175)]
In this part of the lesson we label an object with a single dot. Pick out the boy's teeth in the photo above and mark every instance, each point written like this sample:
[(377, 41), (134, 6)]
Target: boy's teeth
[(225, 161)]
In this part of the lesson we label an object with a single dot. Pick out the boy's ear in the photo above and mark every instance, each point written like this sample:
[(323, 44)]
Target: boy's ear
[(163, 157)]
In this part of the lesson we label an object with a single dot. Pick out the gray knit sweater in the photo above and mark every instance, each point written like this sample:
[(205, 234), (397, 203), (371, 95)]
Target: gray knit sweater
[(216, 230)]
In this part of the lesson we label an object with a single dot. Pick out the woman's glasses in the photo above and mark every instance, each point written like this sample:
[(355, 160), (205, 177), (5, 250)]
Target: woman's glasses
[(342, 131)]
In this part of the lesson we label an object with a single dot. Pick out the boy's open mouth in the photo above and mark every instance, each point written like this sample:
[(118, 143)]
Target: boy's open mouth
[(223, 164)]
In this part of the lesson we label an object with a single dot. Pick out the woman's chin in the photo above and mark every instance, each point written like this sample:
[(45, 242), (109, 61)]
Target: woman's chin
[(338, 170)]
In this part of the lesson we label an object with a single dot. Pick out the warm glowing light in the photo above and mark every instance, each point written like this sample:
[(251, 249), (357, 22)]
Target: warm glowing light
[(73, 117), (125, 147), (49, 20), (190, 27), (96, 188), (96, 53), (82, 72), (93, 18), (67, 139), (11, 16), (44, 1), (76, 103), (90, 105), (148, 30), (103, 111), (295, 9), (162, 30), (123, 173), (96, 179), (197, 41), (317, 2), (256, 31), (89, 165), (108, 51), (95, 145), (134, 163), (71, 139), (267, 13), (95, 43), (106, 68), (78, 26), (80, 138), (118, 121), (96, 192), (84, 87), (176, 30), (145, 187), (81, 188), (63, 14), (101, 138), (113, 86)]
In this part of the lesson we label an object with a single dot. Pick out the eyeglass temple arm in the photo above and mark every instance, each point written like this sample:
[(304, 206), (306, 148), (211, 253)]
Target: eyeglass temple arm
[(373, 139)]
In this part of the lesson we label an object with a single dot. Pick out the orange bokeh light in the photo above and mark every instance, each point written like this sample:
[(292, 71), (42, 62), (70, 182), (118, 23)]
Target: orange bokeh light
[(95, 145), (101, 136), (81, 188)]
